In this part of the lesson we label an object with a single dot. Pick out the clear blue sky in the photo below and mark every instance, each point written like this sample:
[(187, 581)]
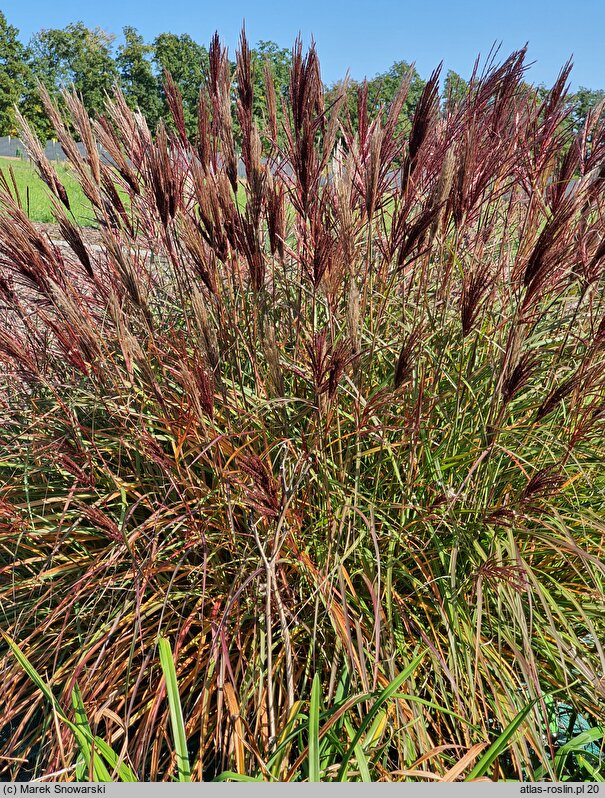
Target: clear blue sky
[(365, 37)]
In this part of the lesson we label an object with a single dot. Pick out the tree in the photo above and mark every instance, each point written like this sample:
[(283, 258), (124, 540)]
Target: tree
[(187, 62), (455, 89), (75, 56), (582, 102), (279, 61), (136, 76), (382, 90), (13, 75)]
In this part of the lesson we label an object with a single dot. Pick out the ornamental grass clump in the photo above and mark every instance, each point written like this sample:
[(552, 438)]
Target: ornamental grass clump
[(321, 414)]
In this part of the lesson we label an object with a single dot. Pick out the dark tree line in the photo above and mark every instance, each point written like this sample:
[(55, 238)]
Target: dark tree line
[(90, 61)]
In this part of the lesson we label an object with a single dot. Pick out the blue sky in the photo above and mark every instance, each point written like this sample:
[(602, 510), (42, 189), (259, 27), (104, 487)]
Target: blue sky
[(365, 37)]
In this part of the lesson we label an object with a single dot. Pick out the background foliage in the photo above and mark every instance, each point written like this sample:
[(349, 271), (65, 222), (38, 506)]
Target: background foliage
[(89, 61)]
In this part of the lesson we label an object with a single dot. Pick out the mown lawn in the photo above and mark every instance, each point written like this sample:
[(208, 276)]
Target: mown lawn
[(34, 195)]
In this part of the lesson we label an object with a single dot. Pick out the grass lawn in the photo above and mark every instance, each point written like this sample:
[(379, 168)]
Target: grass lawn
[(37, 202), (35, 195)]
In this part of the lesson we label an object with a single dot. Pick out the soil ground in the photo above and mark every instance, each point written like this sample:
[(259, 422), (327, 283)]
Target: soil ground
[(90, 235)]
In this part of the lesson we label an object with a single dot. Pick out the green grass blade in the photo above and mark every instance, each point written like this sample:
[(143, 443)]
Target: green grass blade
[(594, 774), (274, 764), (499, 745), (113, 760), (176, 710), (85, 739), (80, 729), (33, 674), (93, 745), (229, 775), (382, 698), (578, 746), (581, 740), (362, 760), (314, 770)]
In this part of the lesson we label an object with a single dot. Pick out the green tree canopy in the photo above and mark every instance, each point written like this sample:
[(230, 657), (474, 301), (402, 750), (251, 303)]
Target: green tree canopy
[(13, 75), (86, 59), (279, 61), (78, 56), (136, 75), (187, 62), (582, 101), (382, 90), (455, 89)]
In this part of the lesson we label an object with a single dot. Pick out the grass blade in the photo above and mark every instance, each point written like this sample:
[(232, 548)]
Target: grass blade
[(499, 745), (314, 769), (81, 730), (382, 698), (578, 745), (230, 775), (92, 760), (176, 710)]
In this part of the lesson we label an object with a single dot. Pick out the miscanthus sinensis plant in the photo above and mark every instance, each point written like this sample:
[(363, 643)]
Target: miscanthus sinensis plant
[(308, 424)]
